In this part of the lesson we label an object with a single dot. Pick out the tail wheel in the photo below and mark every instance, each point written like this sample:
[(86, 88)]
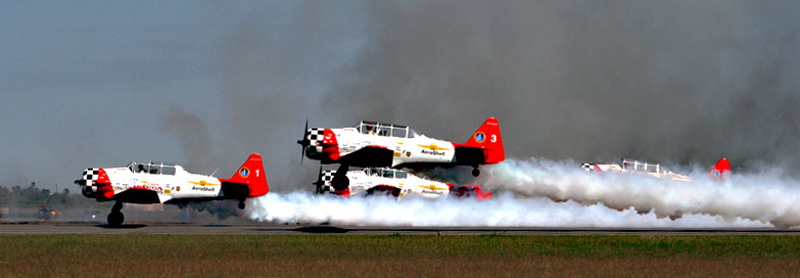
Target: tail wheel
[(115, 218), (241, 204), (476, 172)]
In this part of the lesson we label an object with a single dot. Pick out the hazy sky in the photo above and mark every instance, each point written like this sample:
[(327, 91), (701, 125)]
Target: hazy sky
[(99, 84), (203, 84)]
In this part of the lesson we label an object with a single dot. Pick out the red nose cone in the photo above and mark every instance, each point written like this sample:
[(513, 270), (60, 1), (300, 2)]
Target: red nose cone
[(104, 184), (330, 146)]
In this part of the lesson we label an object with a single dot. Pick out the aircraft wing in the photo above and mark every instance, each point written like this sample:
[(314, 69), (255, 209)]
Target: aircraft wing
[(369, 156)]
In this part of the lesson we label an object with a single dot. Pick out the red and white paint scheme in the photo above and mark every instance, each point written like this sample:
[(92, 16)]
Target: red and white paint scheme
[(393, 182), (152, 183), (629, 166), (720, 170), (373, 144)]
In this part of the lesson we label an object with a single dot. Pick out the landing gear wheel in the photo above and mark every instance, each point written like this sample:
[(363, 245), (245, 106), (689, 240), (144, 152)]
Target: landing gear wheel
[(115, 218), (476, 172), (340, 182), (241, 204)]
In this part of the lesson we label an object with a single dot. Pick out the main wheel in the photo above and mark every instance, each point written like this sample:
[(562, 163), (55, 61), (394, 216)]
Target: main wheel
[(340, 182), (476, 172), (115, 218)]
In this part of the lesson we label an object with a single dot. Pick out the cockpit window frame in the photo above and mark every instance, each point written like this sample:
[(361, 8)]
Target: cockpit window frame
[(152, 168), (385, 129)]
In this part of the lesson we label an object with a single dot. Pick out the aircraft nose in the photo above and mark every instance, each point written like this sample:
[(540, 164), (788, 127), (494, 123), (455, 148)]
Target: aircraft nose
[(95, 182)]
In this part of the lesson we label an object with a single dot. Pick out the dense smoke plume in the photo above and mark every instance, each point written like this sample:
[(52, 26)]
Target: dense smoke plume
[(526, 191), (505, 210), (767, 196), (678, 81), (681, 82)]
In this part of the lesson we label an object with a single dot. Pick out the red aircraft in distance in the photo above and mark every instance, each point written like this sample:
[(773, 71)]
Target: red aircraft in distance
[(629, 166)]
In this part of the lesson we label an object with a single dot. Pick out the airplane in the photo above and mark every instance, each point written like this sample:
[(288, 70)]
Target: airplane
[(374, 144), (153, 183), (629, 166), (393, 182)]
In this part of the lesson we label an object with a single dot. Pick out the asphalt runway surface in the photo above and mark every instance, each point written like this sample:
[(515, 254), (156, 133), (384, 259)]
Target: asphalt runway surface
[(36, 227)]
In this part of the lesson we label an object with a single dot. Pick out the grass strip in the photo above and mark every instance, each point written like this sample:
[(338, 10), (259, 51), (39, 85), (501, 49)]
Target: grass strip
[(201, 255)]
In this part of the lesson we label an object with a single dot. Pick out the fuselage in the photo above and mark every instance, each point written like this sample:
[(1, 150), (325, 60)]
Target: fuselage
[(400, 184), (344, 144), (166, 182), (636, 168), (374, 144), (152, 182)]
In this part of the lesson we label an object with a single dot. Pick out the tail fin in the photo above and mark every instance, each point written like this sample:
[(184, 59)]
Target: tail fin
[(488, 138), (721, 169), (252, 174)]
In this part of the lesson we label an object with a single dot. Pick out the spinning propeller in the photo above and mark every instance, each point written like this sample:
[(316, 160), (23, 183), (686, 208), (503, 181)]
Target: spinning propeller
[(304, 143)]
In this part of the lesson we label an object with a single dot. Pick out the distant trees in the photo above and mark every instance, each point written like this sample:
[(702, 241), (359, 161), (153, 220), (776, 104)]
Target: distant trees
[(32, 196)]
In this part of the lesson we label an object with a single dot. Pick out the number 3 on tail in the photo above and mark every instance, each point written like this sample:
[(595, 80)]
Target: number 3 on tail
[(494, 138)]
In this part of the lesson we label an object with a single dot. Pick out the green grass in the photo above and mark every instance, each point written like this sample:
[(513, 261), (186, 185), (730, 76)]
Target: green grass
[(147, 255)]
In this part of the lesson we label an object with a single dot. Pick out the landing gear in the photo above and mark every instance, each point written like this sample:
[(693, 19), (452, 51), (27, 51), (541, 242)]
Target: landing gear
[(340, 180), (241, 204), (115, 218), (476, 172)]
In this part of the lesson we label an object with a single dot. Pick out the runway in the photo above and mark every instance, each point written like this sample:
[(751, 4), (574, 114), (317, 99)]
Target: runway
[(35, 227)]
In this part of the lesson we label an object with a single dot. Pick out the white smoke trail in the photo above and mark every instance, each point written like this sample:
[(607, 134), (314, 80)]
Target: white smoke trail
[(505, 210), (765, 197)]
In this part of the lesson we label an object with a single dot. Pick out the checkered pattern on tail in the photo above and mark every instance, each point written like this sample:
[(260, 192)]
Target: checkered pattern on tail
[(589, 167), (316, 135)]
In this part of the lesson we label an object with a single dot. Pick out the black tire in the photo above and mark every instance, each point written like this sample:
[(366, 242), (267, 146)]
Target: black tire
[(476, 172), (383, 191), (115, 219), (340, 183), (241, 204)]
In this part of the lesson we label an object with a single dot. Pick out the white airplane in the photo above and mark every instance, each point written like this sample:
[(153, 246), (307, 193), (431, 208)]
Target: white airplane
[(397, 183), (655, 170), (153, 183), (373, 144)]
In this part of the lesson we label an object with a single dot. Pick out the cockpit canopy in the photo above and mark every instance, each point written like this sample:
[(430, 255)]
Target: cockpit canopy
[(386, 173), (154, 168), (385, 129), (630, 164)]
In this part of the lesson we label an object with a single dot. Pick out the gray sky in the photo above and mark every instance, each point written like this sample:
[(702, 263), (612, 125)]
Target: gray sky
[(204, 84)]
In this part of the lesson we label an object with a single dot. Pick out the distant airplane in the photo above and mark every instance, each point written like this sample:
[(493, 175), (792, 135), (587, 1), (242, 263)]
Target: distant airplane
[(373, 144), (152, 183), (629, 166), (393, 182)]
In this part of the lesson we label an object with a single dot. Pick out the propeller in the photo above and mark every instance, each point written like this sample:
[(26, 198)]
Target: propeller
[(303, 143), (319, 181)]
